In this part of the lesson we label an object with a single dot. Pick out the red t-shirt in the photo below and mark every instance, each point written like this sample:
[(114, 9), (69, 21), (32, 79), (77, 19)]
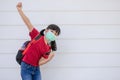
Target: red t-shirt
[(36, 50)]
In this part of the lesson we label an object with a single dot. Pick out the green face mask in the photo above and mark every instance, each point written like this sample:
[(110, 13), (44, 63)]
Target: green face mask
[(50, 36)]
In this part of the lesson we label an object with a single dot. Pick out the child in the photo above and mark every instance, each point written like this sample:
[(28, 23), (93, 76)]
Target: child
[(39, 53)]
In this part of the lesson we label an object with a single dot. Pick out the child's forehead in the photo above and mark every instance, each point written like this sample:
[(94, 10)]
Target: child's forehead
[(52, 30)]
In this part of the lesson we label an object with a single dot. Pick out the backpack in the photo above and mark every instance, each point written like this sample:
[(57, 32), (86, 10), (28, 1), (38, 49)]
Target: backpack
[(21, 52)]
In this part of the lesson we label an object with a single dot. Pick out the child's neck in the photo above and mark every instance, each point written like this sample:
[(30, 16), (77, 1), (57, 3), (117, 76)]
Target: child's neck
[(46, 41)]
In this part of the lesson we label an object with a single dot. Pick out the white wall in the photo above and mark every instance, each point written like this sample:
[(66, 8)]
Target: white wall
[(88, 48)]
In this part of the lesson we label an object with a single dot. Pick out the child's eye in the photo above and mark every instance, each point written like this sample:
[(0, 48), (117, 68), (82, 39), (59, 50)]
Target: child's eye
[(51, 31), (54, 32)]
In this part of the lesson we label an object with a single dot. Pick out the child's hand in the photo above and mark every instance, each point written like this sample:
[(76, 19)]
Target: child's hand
[(19, 5)]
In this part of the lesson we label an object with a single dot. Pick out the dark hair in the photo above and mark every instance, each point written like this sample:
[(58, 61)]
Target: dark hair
[(54, 27), (42, 32)]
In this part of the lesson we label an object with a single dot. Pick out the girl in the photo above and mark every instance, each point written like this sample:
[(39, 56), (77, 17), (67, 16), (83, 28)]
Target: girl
[(39, 53)]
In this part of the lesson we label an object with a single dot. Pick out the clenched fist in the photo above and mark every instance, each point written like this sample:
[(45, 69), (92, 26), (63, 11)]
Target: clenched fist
[(19, 5)]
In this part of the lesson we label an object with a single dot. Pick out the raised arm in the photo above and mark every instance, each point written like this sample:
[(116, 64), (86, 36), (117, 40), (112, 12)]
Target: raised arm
[(24, 17)]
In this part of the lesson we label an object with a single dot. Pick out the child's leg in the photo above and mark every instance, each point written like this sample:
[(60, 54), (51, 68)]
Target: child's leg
[(25, 72)]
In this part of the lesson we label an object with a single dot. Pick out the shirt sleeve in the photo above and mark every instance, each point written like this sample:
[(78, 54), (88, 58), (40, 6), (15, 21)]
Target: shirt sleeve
[(33, 33), (46, 55)]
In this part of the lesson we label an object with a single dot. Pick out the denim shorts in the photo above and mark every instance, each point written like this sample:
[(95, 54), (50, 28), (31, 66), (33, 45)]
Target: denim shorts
[(29, 72)]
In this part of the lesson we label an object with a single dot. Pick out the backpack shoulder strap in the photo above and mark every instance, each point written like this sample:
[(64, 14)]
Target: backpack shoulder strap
[(38, 37), (33, 41)]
